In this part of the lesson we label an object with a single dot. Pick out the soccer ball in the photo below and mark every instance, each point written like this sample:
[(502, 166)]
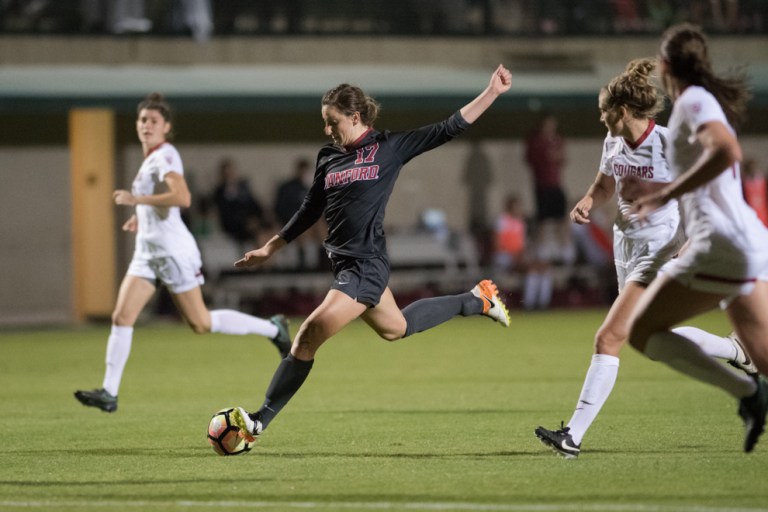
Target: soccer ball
[(223, 435)]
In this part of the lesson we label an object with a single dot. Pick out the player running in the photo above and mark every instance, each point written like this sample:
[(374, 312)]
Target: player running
[(354, 178), (633, 162), (167, 252), (726, 261)]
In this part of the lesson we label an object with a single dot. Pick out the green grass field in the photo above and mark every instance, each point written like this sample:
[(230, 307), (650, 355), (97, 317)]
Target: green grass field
[(441, 421)]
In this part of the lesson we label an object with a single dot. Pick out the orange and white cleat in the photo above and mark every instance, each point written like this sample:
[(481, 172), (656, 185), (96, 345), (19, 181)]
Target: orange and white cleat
[(249, 429), (493, 307)]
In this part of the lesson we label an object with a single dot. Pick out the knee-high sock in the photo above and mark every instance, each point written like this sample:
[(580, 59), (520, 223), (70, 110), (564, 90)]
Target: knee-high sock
[(712, 345), (288, 378), (686, 357), (228, 321), (598, 385), (118, 350), (427, 313)]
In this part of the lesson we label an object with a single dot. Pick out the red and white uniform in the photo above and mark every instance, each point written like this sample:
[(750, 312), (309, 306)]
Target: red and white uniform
[(640, 249), (165, 248), (728, 244)]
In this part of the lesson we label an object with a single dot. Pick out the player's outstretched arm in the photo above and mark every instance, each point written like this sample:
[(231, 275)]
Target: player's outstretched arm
[(258, 256), (501, 81)]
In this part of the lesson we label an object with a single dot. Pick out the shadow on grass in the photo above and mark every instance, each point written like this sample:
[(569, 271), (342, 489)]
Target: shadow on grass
[(142, 482), (205, 452), (389, 455), (196, 451), (390, 412)]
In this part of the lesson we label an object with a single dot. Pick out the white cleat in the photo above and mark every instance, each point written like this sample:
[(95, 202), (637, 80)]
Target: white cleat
[(250, 429)]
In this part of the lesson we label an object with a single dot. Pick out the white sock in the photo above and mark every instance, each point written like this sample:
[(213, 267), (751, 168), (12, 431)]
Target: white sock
[(531, 290), (686, 357), (545, 290), (118, 350), (598, 385), (228, 321), (714, 346)]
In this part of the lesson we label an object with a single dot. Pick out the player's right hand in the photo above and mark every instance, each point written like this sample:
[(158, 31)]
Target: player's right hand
[(252, 258), (580, 212)]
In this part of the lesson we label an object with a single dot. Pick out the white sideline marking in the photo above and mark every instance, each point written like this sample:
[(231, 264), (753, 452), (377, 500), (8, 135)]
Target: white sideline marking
[(382, 505)]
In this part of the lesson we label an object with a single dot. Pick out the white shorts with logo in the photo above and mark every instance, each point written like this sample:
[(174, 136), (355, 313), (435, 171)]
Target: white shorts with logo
[(178, 273), (639, 258)]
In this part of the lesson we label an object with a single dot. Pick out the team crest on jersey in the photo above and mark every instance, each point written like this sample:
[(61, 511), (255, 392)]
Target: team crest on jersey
[(696, 107)]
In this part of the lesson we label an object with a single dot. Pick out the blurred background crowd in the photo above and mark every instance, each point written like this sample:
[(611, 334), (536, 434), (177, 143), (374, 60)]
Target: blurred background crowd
[(203, 19)]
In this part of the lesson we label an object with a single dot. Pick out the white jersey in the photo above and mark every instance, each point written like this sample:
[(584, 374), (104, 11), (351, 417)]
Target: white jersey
[(161, 231), (729, 244), (646, 160), (640, 249)]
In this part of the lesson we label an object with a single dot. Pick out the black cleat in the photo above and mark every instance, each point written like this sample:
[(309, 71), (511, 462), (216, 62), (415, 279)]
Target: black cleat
[(752, 410), (99, 398), (560, 441), (283, 339)]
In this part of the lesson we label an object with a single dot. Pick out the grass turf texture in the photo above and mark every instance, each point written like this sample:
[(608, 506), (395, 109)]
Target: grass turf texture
[(441, 421)]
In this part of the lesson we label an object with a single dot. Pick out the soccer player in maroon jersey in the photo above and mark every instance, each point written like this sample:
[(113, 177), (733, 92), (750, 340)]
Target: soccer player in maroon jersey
[(354, 178)]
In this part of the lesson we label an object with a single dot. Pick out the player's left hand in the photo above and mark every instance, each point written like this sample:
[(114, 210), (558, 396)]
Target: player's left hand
[(131, 225), (501, 80), (123, 197)]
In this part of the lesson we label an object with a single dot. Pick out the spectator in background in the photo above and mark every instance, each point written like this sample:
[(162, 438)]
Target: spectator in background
[(510, 235), (545, 156), (626, 16), (257, 16), (478, 177), (240, 213), (510, 255), (290, 193), (288, 199), (195, 16), (725, 15), (593, 243), (116, 17), (755, 187)]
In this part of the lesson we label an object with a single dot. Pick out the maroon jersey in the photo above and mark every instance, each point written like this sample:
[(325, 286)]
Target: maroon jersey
[(352, 185)]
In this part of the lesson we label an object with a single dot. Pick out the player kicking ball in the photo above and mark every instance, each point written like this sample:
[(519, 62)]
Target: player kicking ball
[(354, 178)]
